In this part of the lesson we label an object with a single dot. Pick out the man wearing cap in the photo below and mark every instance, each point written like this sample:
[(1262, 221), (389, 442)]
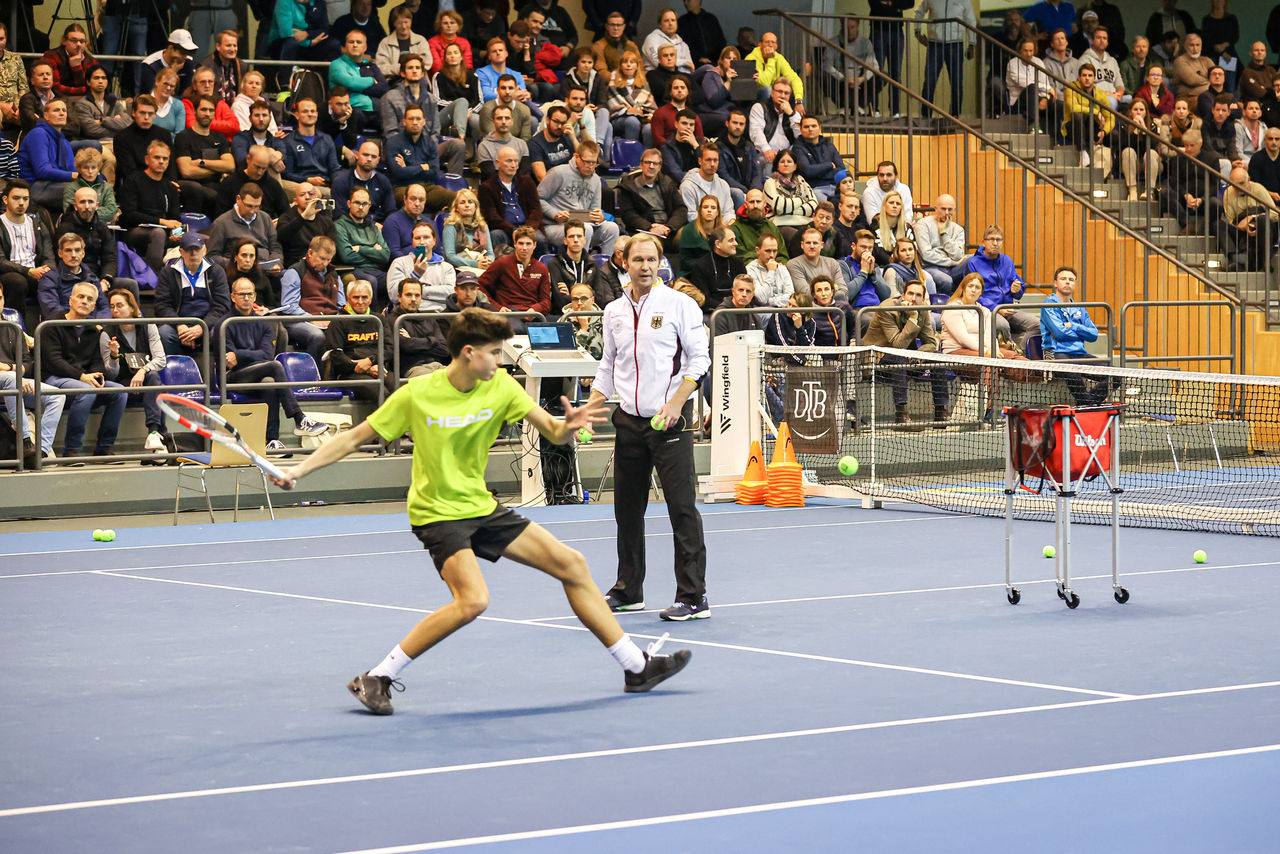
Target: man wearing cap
[(176, 56), (192, 288)]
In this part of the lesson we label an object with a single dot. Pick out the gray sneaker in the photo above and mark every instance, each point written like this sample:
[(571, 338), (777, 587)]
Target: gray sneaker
[(375, 692), (307, 426), (617, 604), (681, 611)]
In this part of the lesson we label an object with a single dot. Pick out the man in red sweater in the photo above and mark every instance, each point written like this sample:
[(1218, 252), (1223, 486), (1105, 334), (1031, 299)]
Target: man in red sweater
[(518, 282)]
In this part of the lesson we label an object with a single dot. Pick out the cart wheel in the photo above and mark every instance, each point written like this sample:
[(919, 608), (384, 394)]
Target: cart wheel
[(1121, 595), (1073, 601), (1061, 595), (1014, 595)]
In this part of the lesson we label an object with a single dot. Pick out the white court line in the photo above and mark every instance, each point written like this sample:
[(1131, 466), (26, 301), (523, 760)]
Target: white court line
[(778, 806), (875, 665), (406, 530), (958, 587), (619, 751), (237, 561)]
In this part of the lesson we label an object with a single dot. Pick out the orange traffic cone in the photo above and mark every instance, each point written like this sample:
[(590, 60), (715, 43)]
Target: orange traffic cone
[(751, 489), (786, 485), (783, 449)]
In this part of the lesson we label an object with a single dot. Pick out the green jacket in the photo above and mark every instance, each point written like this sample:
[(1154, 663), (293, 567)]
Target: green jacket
[(365, 238), (749, 234), (107, 208)]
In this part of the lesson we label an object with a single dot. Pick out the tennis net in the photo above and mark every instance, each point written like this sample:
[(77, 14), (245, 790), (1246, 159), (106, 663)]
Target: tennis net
[(1197, 451)]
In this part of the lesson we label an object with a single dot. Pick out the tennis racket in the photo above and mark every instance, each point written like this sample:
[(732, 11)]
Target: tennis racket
[(209, 424)]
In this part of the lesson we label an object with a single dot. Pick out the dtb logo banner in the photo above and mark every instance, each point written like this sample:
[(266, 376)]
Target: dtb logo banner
[(810, 410)]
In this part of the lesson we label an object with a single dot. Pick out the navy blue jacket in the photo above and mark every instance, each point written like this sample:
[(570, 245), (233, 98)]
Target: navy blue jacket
[(415, 154), (382, 196), (398, 231), (251, 342), (303, 160), (817, 161), (741, 165), (243, 141)]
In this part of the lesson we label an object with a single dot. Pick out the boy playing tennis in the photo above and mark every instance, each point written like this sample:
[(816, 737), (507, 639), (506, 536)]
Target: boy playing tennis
[(454, 416)]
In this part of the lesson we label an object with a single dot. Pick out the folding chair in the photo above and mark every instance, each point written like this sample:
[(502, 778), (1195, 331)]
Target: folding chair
[(251, 421)]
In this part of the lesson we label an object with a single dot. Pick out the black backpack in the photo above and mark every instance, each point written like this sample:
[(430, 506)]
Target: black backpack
[(306, 83)]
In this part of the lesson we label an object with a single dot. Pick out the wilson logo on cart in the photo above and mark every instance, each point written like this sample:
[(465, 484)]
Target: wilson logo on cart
[(1089, 442)]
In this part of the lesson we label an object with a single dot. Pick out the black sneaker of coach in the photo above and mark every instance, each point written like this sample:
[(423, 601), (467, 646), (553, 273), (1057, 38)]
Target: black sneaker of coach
[(375, 692), (681, 611), (657, 668), (616, 603)]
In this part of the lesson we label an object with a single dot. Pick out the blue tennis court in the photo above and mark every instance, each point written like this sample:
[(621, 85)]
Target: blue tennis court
[(862, 685)]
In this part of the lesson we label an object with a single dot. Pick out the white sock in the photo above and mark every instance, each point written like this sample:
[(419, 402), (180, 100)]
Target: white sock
[(626, 653), (395, 661)]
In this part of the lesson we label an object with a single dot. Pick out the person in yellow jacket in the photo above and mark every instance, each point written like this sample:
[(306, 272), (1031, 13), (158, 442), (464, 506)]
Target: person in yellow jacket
[(771, 66), (1086, 120)]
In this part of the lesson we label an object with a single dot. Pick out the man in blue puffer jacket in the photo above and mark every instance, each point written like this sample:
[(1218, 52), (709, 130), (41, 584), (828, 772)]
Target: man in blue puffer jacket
[(45, 157), (1064, 332)]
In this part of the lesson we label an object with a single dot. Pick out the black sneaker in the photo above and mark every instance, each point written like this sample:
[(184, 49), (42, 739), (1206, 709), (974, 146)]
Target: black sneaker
[(681, 611), (617, 604), (656, 668), (374, 692)]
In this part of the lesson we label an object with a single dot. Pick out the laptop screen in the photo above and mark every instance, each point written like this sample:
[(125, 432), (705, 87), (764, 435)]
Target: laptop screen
[(551, 336)]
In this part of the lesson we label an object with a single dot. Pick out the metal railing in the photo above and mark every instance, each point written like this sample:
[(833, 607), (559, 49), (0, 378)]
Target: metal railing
[(1041, 307), (97, 322), (19, 423), (1231, 357), (286, 319), (444, 316), (1032, 198)]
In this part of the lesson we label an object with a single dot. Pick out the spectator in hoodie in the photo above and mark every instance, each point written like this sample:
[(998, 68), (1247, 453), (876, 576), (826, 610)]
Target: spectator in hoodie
[(1105, 68), (46, 159), (863, 275), (574, 187), (1001, 285), (88, 162), (667, 33)]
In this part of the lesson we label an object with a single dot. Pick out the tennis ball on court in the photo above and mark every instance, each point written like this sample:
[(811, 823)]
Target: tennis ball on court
[(585, 436), (108, 535), (658, 423), (1049, 551), (1199, 556), (97, 534), (848, 465)]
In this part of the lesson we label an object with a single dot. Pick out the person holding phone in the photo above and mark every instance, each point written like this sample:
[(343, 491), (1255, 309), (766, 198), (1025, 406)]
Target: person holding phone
[(436, 275), (302, 223)]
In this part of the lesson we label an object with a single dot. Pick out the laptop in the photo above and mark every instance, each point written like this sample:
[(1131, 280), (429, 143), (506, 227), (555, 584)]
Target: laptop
[(552, 340)]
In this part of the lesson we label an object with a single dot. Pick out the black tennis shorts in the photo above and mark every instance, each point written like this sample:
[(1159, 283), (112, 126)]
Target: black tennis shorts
[(487, 536)]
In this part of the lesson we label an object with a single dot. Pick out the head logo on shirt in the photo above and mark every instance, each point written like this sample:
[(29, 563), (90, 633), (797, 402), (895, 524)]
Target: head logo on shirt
[(456, 421), (656, 323)]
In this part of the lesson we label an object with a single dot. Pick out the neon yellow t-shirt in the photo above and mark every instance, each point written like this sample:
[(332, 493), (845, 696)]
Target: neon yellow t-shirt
[(452, 433)]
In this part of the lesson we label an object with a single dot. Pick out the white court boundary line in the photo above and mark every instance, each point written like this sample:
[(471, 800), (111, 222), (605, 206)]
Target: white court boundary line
[(406, 530), (619, 751), (874, 665), (237, 562), (778, 806)]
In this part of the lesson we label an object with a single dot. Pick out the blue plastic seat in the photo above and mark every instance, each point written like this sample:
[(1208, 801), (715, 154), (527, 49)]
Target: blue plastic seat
[(600, 258), (451, 181), (1034, 346), (301, 368), (14, 316), (626, 155), (439, 224), (183, 370), (938, 299), (195, 221), (546, 259), (664, 273)]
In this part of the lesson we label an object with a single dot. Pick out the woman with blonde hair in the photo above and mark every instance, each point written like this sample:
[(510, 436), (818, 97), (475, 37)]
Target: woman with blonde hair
[(695, 237), (134, 356), (631, 104), (889, 226), (904, 266), (466, 243), (170, 112), (251, 86)]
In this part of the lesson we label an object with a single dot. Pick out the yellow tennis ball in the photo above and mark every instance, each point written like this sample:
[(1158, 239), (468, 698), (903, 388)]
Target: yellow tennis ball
[(1200, 556), (1049, 551), (848, 465), (97, 534), (658, 423), (108, 535), (585, 436)]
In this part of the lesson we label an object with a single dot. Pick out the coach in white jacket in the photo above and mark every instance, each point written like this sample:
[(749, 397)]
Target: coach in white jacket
[(655, 352)]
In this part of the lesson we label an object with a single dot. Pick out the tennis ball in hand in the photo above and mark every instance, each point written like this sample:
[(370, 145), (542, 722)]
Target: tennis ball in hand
[(658, 423), (108, 535), (1199, 556), (848, 465), (97, 534), (585, 436), (1049, 551)]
